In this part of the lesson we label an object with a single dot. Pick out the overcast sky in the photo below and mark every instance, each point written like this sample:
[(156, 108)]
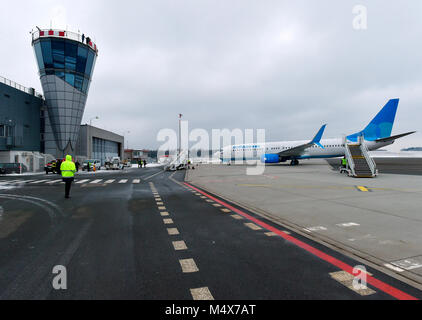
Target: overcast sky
[(284, 66)]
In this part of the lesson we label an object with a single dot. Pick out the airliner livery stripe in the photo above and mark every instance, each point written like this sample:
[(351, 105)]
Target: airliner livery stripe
[(394, 292)]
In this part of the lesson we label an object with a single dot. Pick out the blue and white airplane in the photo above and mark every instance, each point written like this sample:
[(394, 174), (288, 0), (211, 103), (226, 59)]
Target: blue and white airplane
[(376, 135)]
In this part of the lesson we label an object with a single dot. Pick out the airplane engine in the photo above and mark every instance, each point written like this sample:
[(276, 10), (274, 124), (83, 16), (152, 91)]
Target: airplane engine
[(270, 158)]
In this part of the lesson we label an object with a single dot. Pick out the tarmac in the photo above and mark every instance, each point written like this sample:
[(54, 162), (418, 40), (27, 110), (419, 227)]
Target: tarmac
[(377, 221)]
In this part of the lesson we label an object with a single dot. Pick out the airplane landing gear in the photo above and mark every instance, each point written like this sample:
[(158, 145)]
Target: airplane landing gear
[(294, 162)]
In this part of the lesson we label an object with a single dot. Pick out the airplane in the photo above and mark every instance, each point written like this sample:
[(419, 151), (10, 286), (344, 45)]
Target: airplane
[(377, 134)]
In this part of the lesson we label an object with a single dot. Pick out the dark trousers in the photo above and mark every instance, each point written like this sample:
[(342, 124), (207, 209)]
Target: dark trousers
[(68, 184)]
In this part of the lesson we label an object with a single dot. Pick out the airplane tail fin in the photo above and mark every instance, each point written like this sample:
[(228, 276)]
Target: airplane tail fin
[(316, 140), (381, 126)]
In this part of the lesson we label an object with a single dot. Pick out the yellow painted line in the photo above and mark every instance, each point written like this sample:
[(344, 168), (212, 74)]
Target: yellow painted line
[(173, 231), (253, 226), (179, 245), (201, 294), (164, 214), (188, 265), (168, 221), (362, 188), (160, 203), (161, 208)]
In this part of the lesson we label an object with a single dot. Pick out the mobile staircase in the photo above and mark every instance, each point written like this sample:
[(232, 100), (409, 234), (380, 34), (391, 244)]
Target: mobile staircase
[(359, 162)]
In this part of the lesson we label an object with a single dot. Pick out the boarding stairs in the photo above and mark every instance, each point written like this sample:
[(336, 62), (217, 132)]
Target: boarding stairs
[(180, 163), (360, 163)]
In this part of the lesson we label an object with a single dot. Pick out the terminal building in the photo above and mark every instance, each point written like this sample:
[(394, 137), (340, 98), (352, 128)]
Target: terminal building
[(36, 128)]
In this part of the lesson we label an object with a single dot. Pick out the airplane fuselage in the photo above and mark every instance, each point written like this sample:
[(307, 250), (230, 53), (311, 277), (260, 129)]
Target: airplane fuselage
[(332, 148)]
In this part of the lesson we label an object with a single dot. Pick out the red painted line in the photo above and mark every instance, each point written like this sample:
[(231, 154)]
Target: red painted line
[(394, 292)]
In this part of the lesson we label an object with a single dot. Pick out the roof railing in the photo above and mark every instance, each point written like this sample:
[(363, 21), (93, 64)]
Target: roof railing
[(39, 33), (17, 86)]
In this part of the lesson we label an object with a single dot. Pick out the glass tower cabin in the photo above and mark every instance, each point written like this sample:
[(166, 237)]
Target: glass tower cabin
[(66, 62)]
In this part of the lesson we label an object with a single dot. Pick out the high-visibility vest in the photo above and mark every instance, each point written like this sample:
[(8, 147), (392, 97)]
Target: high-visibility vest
[(68, 168), (344, 161)]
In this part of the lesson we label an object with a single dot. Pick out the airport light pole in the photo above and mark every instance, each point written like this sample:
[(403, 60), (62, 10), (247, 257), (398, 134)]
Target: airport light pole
[(180, 135)]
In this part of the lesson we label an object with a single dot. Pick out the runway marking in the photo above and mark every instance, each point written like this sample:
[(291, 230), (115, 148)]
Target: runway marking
[(226, 210), (362, 188), (390, 266), (153, 175), (201, 294), (216, 205), (160, 203), (209, 201), (164, 214), (82, 181), (179, 245), (347, 279), (236, 217), (253, 226), (39, 181), (136, 181), (409, 263), (96, 181), (188, 265), (168, 221), (123, 181), (173, 231), (392, 291), (317, 228), (110, 181), (202, 197), (270, 234), (161, 208), (348, 224), (55, 181)]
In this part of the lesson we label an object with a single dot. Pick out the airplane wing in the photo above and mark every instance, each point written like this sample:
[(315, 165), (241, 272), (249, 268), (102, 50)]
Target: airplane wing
[(395, 137), (298, 150)]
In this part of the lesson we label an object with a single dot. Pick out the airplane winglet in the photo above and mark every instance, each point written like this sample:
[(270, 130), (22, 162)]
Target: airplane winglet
[(316, 140)]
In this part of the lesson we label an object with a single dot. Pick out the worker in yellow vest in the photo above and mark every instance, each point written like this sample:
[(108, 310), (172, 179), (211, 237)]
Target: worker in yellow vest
[(68, 170)]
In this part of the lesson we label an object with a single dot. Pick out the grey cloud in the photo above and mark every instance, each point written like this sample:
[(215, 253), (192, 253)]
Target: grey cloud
[(285, 66)]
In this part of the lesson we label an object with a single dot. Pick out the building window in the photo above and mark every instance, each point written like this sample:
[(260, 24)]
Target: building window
[(1, 130)]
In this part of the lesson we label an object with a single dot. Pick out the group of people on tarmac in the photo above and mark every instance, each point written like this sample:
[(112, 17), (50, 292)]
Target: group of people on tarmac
[(56, 164), (142, 163)]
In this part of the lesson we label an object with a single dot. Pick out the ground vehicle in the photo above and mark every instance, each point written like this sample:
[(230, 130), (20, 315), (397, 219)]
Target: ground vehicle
[(53, 166), (114, 164), (92, 163), (7, 168)]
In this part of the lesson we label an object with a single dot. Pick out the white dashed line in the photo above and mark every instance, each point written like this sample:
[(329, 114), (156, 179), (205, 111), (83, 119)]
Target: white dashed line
[(82, 181), (168, 221), (201, 294), (253, 226), (188, 266), (179, 245), (173, 231)]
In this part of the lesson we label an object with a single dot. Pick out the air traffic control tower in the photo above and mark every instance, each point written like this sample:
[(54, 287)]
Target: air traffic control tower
[(66, 63)]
